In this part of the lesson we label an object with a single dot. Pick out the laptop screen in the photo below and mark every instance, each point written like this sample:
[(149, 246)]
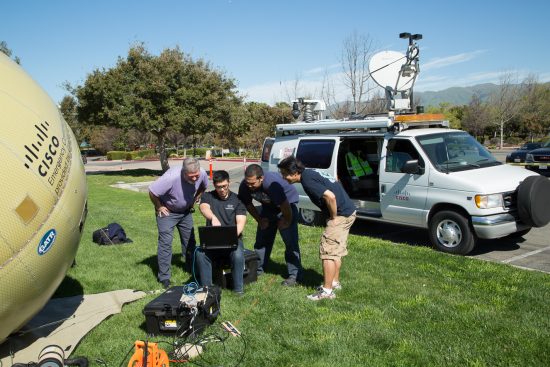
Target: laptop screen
[(218, 238)]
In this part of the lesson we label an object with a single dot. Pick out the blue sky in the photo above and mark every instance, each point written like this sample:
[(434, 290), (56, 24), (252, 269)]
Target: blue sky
[(268, 45)]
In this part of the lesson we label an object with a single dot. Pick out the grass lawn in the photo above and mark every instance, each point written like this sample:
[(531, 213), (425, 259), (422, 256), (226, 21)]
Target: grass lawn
[(400, 306)]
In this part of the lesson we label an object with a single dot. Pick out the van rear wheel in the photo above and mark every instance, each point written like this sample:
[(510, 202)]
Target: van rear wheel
[(311, 217), (450, 232)]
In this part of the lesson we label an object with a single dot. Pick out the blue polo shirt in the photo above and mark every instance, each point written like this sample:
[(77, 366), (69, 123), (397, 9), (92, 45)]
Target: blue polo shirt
[(315, 185), (271, 194)]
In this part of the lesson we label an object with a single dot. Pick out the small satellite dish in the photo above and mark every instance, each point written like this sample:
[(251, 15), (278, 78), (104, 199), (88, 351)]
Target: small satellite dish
[(385, 69)]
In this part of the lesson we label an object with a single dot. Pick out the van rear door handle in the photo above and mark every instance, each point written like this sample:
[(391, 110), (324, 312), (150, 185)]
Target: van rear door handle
[(383, 189)]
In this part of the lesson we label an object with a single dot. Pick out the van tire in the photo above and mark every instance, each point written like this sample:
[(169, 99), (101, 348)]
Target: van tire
[(451, 232), (311, 217), (534, 201)]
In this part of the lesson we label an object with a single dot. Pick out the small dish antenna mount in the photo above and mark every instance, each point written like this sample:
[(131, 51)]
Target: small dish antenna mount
[(396, 73)]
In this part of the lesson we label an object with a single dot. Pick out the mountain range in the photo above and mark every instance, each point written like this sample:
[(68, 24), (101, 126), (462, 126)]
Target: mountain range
[(456, 95)]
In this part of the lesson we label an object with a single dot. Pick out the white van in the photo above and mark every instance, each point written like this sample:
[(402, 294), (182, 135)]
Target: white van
[(423, 175)]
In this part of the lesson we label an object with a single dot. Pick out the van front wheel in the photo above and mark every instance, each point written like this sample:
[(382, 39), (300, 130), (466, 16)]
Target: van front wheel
[(311, 217), (450, 232)]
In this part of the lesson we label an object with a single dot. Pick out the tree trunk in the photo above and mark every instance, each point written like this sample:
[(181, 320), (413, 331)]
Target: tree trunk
[(161, 146), (501, 134)]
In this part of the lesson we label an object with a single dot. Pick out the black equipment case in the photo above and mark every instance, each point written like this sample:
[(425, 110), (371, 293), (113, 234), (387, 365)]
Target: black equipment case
[(173, 313), (250, 271)]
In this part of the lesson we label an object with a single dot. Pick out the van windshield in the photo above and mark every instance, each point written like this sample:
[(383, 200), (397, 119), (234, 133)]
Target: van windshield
[(456, 151)]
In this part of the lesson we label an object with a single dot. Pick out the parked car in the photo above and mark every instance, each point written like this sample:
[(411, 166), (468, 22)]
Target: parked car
[(518, 155), (538, 160)]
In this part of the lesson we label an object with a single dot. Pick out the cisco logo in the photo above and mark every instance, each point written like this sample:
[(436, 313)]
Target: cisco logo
[(46, 242)]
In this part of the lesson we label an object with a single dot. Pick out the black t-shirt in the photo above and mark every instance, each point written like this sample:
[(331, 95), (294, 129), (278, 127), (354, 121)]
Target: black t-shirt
[(273, 192), (225, 210), (315, 185)]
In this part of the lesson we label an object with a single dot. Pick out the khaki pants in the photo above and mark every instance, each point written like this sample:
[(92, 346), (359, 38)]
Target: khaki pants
[(335, 238)]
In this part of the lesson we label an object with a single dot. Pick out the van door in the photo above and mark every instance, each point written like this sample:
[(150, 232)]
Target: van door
[(266, 152), (402, 195), (319, 154)]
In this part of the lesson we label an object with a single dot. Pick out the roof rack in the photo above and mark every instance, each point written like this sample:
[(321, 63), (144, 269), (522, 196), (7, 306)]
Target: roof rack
[(371, 124), (334, 126)]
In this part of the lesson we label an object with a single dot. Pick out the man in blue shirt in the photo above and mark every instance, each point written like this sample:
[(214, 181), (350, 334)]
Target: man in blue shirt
[(335, 203), (278, 211), (173, 196)]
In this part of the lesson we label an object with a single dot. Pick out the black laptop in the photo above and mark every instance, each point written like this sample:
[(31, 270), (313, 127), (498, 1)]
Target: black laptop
[(218, 237)]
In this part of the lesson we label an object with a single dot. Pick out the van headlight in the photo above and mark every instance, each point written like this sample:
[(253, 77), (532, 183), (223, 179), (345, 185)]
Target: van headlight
[(489, 201), (529, 158)]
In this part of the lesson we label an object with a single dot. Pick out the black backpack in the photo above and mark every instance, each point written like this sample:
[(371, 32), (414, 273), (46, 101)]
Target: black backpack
[(110, 235)]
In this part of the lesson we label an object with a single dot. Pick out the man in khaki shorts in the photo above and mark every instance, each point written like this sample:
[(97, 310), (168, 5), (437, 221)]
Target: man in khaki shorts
[(335, 203)]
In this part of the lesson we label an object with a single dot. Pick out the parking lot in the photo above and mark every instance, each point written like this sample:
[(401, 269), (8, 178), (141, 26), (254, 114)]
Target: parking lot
[(529, 252)]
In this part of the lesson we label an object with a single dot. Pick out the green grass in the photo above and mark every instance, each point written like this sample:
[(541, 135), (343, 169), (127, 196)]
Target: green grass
[(400, 306)]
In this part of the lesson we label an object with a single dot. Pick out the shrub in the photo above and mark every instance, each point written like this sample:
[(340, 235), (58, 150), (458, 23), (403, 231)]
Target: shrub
[(146, 153), (116, 155), (514, 140)]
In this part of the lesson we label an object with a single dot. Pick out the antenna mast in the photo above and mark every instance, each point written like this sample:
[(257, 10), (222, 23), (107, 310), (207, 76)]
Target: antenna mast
[(397, 73)]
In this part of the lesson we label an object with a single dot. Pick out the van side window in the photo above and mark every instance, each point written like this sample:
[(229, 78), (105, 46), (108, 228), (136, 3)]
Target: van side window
[(398, 152), (266, 151), (316, 153)]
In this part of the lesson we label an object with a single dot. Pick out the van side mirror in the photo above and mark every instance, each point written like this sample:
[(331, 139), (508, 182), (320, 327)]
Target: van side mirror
[(412, 167)]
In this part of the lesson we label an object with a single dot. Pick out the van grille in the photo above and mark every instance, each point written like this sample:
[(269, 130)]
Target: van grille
[(510, 200)]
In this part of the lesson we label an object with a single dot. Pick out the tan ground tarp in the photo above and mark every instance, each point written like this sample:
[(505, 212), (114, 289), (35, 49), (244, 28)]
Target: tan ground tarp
[(63, 322)]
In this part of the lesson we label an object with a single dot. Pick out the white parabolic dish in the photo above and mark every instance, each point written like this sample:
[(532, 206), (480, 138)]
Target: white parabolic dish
[(385, 67)]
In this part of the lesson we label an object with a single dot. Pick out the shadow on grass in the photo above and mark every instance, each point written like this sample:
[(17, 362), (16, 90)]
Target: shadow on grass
[(310, 277), (152, 263), (391, 232), (129, 172), (47, 321), (69, 287)]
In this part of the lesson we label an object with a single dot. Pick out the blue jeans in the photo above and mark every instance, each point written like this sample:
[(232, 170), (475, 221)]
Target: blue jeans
[(266, 237), (204, 264), (184, 223)]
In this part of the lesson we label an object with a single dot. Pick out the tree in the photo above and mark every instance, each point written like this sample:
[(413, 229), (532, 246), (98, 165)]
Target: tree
[(104, 138), (158, 94), (534, 116), (68, 108), (504, 104), (262, 120), (6, 50), (452, 113), (476, 116), (356, 52)]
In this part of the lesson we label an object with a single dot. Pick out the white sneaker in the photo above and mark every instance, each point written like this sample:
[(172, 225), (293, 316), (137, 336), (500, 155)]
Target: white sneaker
[(336, 286), (321, 295)]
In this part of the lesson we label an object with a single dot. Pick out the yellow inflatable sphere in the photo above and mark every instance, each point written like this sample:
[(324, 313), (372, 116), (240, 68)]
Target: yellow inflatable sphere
[(43, 199)]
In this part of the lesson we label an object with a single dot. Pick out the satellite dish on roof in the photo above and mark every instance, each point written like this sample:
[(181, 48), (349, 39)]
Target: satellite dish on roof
[(390, 69)]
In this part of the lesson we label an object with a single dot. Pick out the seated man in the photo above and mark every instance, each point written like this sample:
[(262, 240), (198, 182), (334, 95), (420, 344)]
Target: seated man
[(221, 207)]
